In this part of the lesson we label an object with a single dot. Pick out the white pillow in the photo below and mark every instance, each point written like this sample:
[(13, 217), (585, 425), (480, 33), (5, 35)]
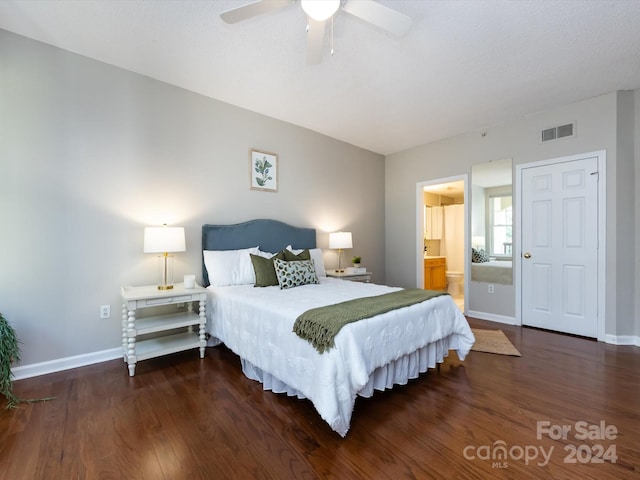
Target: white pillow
[(316, 256), (230, 267)]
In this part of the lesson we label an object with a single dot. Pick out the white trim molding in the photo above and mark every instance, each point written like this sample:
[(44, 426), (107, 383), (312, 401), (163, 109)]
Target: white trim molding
[(492, 317), (60, 364), (622, 340)]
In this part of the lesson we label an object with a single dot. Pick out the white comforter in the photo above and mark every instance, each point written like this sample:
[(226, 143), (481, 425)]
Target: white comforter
[(257, 324), (495, 271)]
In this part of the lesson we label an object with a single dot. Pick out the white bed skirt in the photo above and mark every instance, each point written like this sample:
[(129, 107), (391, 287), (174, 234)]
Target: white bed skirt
[(398, 372)]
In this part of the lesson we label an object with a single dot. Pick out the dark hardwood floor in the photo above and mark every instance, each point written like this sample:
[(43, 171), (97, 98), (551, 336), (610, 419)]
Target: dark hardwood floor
[(182, 417)]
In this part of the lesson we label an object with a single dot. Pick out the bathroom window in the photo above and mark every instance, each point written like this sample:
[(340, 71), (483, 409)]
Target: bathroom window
[(500, 220)]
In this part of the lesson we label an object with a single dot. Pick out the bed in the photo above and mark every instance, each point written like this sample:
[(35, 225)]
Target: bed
[(494, 271), (371, 354)]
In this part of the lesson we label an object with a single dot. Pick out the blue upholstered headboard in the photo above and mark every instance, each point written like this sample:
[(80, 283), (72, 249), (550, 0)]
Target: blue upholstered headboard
[(269, 235)]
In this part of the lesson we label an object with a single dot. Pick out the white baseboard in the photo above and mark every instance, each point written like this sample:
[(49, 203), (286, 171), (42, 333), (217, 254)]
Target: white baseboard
[(622, 340), (492, 317), (51, 366), (612, 339)]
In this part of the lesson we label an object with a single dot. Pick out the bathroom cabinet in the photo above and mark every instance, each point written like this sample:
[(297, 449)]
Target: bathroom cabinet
[(435, 273)]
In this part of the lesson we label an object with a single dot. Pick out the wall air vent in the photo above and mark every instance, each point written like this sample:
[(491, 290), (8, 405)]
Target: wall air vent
[(556, 133)]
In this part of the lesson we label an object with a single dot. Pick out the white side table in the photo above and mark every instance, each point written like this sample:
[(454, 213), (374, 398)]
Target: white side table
[(134, 298), (352, 277)]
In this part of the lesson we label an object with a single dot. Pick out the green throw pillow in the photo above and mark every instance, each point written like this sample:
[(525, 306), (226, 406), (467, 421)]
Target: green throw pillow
[(478, 255), (289, 256), (264, 270), (295, 273)]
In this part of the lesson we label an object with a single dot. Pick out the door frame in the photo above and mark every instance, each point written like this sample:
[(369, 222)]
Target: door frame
[(601, 156), (420, 229)]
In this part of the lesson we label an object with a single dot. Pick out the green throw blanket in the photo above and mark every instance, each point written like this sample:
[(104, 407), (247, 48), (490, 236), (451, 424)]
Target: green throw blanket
[(320, 325)]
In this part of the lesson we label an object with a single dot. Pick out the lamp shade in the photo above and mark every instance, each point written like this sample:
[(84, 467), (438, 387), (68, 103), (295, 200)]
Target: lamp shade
[(320, 10), (340, 240), (477, 241), (164, 239)]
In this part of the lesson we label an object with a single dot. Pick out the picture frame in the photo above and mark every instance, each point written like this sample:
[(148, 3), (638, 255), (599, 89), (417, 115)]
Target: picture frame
[(263, 170)]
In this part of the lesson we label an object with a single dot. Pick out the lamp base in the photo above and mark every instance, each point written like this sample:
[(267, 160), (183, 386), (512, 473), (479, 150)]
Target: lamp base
[(340, 269), (165, 263)]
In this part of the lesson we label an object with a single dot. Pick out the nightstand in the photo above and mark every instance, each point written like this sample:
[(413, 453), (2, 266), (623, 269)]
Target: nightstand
[(134, 298), (352, 277)]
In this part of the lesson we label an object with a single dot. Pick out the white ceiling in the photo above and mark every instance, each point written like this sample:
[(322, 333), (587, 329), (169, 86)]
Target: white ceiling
[(463, 66)]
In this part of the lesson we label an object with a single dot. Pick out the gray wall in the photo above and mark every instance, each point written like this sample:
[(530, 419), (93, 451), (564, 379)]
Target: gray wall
[(637, 210), (603, 123), (90, 154), (625, 211)]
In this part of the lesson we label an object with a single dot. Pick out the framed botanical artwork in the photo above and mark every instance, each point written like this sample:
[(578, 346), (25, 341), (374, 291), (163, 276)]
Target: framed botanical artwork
[(263, 170)]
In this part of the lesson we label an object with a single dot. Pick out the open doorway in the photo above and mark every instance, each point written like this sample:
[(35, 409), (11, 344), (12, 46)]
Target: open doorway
[(442, 232)]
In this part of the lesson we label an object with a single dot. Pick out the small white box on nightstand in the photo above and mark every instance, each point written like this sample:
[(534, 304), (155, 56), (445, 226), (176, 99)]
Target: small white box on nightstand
[(355, 270)]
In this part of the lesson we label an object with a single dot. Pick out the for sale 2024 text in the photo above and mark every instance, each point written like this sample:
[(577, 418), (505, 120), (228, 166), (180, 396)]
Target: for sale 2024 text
[(582, 431)]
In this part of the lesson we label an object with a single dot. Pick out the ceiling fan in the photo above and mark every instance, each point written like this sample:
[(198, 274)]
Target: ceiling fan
[(319, 12)]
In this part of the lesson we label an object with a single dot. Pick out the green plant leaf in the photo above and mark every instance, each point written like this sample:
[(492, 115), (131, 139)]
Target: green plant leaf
[(9, 353)]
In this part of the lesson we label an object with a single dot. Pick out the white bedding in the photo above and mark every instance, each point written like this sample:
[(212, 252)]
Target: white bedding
[(495, 271), (257, 324)]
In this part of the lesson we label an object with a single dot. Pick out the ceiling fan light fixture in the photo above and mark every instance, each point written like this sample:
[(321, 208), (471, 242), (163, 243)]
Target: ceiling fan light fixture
[(320, 10)]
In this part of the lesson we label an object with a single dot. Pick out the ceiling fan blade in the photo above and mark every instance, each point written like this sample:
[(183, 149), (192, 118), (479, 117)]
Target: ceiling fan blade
[(315, 42), (253, 9), (377, 14)]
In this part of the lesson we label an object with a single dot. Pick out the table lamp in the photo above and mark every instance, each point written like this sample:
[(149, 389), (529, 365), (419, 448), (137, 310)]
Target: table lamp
[(164, 240), (340, 240)]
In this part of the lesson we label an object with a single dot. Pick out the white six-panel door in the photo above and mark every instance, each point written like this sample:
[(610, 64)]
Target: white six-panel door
[(560, 246)]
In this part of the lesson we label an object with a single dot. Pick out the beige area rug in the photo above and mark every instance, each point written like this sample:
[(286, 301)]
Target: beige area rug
[(493, 341)]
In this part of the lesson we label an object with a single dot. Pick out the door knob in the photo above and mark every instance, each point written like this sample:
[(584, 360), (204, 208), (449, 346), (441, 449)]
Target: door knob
[(527, 255)]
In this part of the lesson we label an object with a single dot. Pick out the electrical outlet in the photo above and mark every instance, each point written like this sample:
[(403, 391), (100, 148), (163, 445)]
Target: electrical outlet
[(490, 288), (105, 311)]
